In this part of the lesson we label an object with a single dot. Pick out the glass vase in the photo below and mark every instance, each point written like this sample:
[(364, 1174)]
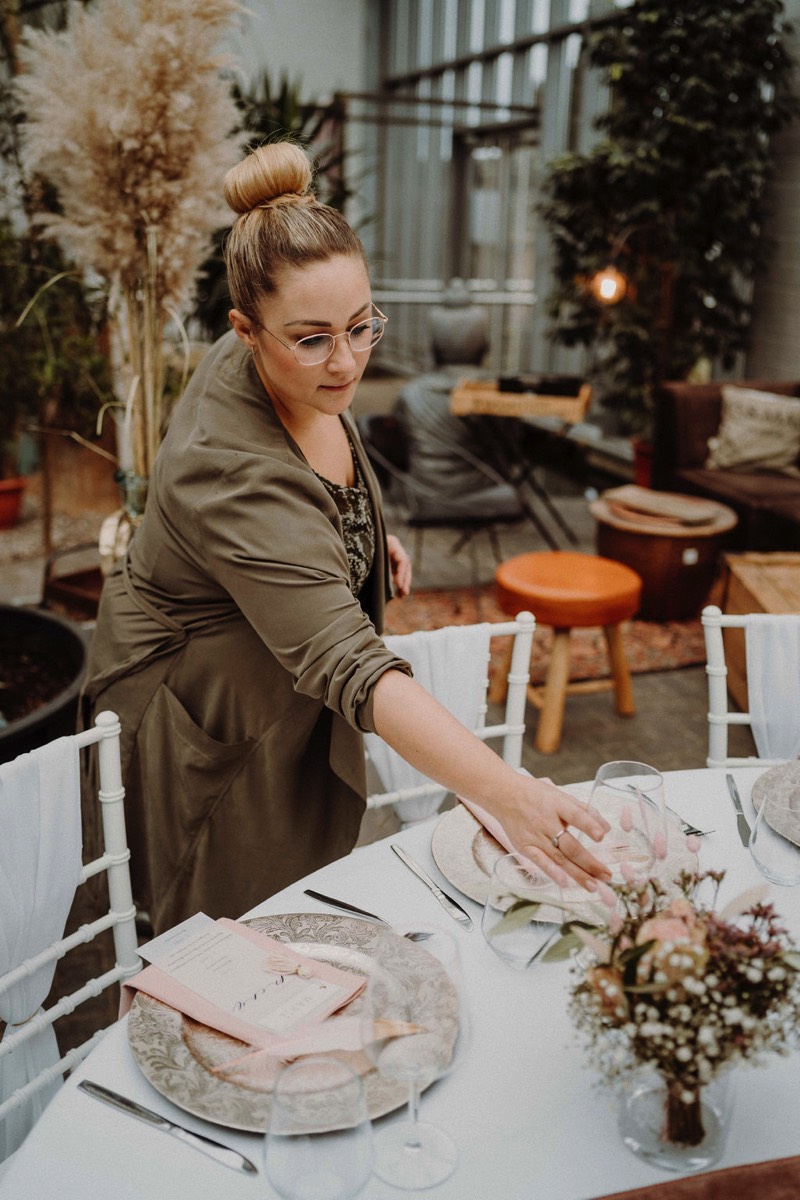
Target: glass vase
[(660, 1123)]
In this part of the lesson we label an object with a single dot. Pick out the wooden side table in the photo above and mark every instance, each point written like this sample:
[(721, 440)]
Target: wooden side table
[(672, 541), (754, 583)]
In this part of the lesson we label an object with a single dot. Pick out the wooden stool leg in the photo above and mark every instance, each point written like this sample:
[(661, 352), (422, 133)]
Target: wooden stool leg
[(551, 718), (623, 691), (498, 688)]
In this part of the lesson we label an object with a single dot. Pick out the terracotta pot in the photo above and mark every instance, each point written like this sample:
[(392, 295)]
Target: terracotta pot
[(10, 501)]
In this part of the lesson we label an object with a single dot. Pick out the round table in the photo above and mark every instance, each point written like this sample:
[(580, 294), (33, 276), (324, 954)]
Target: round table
[(521, 1105)]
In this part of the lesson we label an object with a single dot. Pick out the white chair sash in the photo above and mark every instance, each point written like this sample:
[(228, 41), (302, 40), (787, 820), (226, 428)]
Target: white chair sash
[(773, 683), (40, 866), (451, 664)]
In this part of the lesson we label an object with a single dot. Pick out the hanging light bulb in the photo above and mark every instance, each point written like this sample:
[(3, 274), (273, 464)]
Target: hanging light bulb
[(608, 286)]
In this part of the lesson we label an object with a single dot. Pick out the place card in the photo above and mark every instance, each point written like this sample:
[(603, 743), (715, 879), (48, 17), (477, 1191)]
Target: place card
[(239, 980)]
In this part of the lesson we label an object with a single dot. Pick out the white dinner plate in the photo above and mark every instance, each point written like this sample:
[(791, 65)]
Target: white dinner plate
[(178, 1055), (465, 854)]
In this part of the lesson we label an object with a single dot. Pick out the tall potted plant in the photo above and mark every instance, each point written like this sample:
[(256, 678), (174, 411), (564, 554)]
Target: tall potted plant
[(658, 231), (134, 141)]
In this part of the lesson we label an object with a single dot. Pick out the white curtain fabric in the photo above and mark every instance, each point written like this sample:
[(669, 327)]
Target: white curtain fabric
[(40, 865), (773, 683), (452, 664)]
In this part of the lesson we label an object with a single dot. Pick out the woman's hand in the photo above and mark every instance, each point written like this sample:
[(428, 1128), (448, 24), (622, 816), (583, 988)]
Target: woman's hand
[(533, 812), (540, 813), (399, 565)]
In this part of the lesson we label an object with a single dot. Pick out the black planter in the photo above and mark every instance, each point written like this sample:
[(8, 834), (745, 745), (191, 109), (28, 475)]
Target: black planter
[(55, 651)]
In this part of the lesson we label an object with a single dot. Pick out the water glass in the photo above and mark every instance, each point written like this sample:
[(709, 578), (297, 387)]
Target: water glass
[(414, 1154), (773, 844), (319, 1142), (630, 795), (519, 937)]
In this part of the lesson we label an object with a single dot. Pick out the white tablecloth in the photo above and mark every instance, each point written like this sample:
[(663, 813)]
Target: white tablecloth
[(522, 1107)]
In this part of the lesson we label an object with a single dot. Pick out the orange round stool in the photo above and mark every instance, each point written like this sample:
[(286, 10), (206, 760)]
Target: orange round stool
[(568, 591)]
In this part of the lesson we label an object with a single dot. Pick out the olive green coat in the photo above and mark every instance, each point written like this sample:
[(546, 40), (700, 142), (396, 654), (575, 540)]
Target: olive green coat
[(238, 660)]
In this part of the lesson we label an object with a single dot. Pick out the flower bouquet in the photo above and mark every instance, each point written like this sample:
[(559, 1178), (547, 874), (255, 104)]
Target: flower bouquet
[(687, 992)]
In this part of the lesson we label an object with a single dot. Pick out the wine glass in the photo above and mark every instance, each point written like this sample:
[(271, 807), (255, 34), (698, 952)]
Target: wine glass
[(319, 1143), (630, 795), (519, 937), (774, 841), (413, 1154)]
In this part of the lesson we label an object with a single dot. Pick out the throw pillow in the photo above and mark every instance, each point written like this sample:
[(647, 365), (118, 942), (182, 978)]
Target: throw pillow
[(759, 431)]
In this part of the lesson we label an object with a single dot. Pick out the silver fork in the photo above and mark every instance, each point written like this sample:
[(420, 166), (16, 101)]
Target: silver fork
[(413, 935), (686, 826)]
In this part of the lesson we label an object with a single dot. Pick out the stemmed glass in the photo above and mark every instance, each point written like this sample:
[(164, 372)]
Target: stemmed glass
[(521, 936), (630, 795), (414, 1154), (319, 1143), (774, 841)]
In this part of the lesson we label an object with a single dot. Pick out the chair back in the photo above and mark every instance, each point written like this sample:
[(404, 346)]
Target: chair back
[(453, 664), (39, 873), (772, 669)]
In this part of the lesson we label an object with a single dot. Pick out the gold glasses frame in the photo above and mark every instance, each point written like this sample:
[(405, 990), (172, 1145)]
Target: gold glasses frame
[(313, 337)]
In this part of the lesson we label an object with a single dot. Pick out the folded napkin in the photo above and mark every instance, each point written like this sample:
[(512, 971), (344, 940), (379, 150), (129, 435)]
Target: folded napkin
[(778, 1179), (306, 1038), (494, 827)]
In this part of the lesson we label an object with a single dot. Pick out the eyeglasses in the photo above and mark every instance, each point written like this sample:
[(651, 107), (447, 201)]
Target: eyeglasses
[(316, 349)]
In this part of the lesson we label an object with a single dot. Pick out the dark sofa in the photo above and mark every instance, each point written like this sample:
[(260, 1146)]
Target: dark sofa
[(767, 504)]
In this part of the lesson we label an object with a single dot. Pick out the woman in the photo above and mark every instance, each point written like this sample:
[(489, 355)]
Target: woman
[(239, 641)]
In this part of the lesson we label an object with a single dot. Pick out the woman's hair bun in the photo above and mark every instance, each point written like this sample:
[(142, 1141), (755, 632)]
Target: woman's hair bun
[(276, 170)]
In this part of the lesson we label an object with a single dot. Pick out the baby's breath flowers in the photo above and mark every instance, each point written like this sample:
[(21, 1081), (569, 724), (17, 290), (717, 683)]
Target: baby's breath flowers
[(686, 991)]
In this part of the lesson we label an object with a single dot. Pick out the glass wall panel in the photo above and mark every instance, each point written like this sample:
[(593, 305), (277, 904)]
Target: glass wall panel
[(475, 96)]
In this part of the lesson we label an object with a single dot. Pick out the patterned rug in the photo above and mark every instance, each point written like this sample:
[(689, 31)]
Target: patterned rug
[(650, 645)]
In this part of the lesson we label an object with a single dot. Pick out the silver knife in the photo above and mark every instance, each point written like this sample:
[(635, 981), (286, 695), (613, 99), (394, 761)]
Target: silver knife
[(222, 1154), (741, 820), (447, 902), (343, 905)]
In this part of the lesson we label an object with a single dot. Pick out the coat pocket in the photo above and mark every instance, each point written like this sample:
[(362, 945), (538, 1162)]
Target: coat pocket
[(184, 774)]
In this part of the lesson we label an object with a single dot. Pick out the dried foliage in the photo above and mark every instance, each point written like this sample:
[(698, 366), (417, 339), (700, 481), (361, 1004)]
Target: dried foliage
[(129, 117)]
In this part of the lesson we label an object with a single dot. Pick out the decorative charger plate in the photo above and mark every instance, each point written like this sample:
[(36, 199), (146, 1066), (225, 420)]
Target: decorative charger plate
[(178, 1055), (465, 854), (780, 783)]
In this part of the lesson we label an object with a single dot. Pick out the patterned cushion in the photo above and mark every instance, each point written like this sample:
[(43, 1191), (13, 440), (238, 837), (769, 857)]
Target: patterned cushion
[(759, 431)]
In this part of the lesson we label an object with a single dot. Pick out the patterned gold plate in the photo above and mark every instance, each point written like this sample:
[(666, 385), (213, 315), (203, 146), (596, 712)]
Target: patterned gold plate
[(177, 1055)]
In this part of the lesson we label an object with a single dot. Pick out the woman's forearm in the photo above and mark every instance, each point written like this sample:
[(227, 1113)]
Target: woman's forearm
[(530, 810)]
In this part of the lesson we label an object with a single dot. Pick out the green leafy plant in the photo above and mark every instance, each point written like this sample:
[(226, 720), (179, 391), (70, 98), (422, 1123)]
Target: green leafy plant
[(673, 194)]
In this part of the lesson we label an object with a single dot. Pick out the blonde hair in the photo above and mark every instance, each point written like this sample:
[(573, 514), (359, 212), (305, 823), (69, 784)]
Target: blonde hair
[(280, 224)]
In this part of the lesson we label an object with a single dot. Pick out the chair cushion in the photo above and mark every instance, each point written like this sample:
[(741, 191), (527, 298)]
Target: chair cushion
[(567, 590)]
